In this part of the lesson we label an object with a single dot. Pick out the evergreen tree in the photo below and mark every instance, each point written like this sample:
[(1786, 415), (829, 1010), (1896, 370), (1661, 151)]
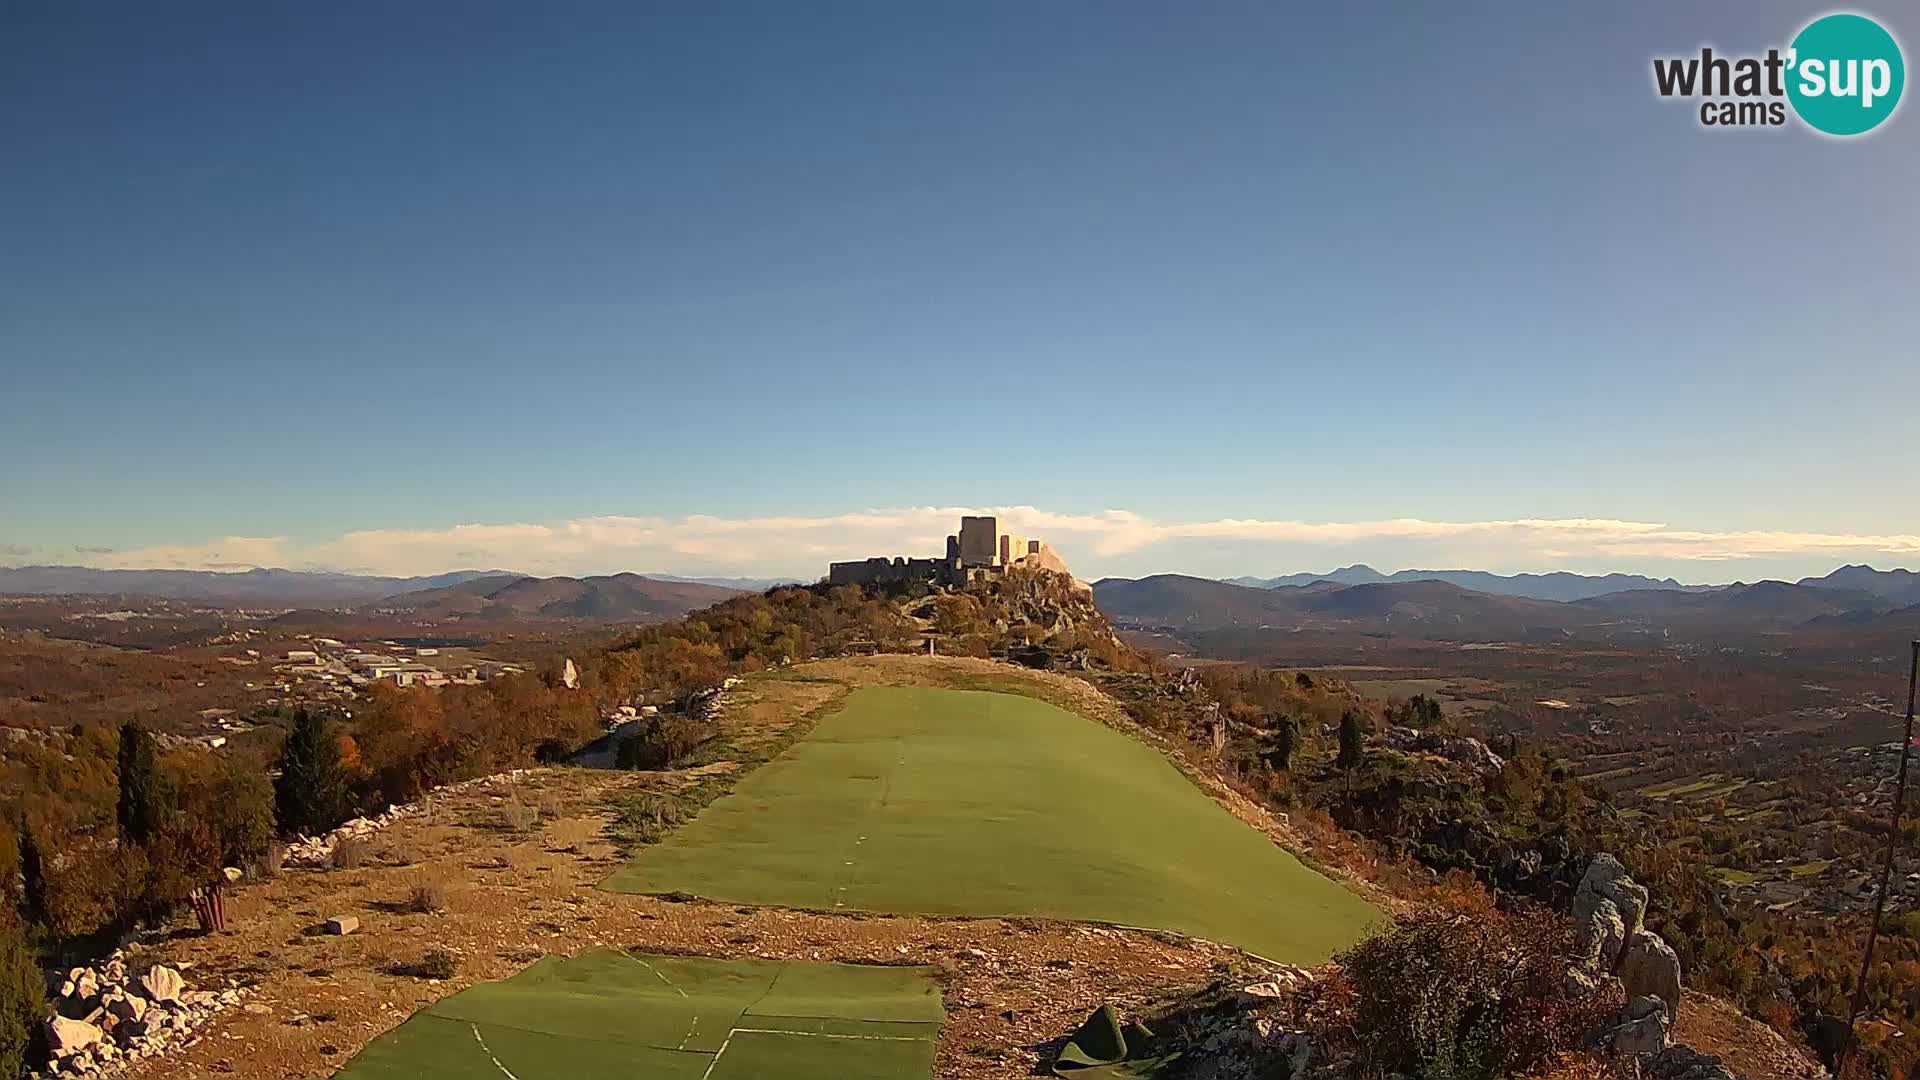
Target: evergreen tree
[(1285, 740), (144, 793), (310, 795), (1353, 745), (33, 877), (23, 1005)]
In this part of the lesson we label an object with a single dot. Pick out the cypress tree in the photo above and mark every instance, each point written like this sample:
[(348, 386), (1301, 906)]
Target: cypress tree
[(1352, 746), (33, 877), (143, 790), (310, 796)]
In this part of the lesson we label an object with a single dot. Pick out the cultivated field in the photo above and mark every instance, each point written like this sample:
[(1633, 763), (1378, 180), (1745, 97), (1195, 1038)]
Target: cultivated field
[(967, 803)]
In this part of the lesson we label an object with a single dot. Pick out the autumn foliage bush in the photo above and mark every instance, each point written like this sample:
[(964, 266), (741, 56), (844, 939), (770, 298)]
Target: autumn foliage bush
[(1452, 996)]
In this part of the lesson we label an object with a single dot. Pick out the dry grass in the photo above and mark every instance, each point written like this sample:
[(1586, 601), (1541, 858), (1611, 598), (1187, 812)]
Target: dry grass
[(517, 816), (429, 895)]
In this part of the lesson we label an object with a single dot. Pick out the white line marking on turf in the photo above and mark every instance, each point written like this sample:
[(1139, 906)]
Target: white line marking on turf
[(823, 1035), (508, 1073), (662, 976), (728, 1041)]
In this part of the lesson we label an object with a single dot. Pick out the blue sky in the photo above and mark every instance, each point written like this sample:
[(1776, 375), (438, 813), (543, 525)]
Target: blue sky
[(316, 286)]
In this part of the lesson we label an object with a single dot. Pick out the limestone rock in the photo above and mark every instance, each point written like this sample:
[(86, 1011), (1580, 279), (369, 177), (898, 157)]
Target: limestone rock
[(1646, 1034), (1649, 968), (162, 984), (66, 1036), (128, 1007), (1602, 934), (1606, 879), (342, 925)]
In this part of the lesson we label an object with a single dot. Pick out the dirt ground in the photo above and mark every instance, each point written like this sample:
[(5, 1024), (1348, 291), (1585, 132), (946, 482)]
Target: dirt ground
[(506, 897)]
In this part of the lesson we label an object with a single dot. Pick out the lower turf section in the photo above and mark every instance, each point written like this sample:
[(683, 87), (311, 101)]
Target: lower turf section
[(614, 1014), (966, 803)]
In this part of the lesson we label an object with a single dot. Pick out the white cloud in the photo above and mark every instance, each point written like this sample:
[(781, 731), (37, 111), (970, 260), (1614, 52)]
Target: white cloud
[(802, 546)]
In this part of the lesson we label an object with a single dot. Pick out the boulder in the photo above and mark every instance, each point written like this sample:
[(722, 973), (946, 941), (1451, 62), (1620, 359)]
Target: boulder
[(1643, 1035), (1649, 968), (342, 925), (162, 984), (66, 1036), (1602, 933), (1607, 879), (127, 1007)]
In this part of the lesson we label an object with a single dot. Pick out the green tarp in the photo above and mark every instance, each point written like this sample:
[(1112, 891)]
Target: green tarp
[(631, 1015), (1103, 1049)]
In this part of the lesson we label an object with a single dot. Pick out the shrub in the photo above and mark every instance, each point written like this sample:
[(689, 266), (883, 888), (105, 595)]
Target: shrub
[(429, 896), (436, 964), (22, 996), (517, 816), (1467, 997), (645, 817), (665, 742), (243, 813)]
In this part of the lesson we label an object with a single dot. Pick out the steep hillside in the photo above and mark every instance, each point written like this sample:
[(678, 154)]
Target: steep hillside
[(617, 598)]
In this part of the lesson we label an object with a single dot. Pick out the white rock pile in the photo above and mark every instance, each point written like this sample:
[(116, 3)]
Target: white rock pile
[(318, 850), (104, 1020)]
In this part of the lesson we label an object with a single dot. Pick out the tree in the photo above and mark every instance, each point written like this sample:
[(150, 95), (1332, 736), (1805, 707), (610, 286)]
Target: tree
[(23, 1004), (1353, 746), (33, 877), (145, 795), (1285, 740), (311, 796)]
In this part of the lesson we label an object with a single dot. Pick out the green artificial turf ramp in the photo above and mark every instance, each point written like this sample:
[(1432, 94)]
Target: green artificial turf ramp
[(954, 802), (617, 1014)]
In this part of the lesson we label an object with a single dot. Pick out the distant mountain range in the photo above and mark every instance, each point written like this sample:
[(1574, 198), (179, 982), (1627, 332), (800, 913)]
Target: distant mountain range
[(262, 587), (1555, 586), (613, 598), (1443, 610)]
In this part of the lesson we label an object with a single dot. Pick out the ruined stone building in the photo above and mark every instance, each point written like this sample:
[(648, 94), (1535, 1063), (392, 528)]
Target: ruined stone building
[(978, 550)]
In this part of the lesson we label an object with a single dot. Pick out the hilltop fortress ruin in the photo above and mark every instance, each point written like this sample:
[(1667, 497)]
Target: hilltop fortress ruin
[(978, 551)]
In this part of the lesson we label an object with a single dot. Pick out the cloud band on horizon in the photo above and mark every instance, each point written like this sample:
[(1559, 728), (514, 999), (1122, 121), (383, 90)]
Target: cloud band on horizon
[(801, 546)]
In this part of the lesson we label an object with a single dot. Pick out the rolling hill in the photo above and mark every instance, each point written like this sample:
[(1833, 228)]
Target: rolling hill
[(1559, 585), (613, 598), (261, 586), (1444, 611)]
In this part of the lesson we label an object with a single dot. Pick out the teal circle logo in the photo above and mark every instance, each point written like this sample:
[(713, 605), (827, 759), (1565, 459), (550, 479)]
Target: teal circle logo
[(1845, 74)]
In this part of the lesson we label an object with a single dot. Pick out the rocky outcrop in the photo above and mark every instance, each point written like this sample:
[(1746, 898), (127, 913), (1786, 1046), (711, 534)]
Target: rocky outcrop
[(104, 1019), (1606, 880), (1646, 1030), (1650, 968), (1614, 951), (1460, 749)]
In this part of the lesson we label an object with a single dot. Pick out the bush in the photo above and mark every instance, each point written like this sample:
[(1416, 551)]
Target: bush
[(437, 964), (665, 742), (429, 896), (517, 816), (22, 996), (1466, 997)]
